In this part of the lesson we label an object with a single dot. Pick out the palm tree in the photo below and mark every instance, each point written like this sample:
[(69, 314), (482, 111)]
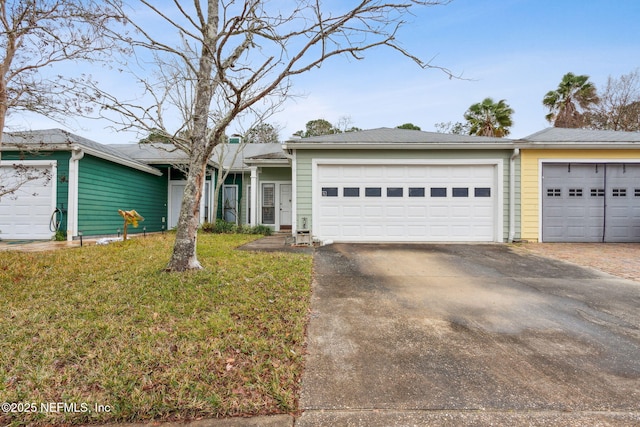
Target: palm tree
[(563, 112), (488, 118)]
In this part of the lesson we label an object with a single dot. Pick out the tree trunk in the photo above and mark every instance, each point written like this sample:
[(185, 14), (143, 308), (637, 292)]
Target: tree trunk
[(184, 255)]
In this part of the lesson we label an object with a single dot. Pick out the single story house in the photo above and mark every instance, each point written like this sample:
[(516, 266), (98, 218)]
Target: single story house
[(380, 185), (79, 186), (397, 185), (580, 186)]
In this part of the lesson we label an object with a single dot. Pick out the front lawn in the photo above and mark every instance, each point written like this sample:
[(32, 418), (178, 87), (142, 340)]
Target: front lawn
[(100, 334)]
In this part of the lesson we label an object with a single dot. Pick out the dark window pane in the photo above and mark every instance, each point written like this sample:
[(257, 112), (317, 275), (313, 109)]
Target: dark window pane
[(575, 192), (597, 192), (373, 192), (351, 192), (329, 191), (394, 192), (439, 192), (482, 192), (554, 192), (416, 192), (619, 192), (460, 192)]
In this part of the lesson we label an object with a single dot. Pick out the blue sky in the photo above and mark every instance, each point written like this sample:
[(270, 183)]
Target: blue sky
[(515, 50)]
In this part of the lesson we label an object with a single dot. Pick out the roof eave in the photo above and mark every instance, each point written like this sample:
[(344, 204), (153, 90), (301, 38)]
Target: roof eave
[(88, 150), (399, 146), (578, 145)]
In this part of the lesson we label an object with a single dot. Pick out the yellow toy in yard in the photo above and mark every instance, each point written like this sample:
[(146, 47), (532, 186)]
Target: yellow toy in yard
[(130, 217)]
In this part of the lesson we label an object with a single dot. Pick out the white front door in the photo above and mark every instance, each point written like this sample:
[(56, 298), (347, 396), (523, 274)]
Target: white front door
[(285, 205), (176, 194)]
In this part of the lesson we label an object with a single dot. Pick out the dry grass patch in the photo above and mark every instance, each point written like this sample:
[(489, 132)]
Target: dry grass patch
[(103, 325)]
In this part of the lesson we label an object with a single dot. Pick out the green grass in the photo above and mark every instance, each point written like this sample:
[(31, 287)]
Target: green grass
[(104, 325)]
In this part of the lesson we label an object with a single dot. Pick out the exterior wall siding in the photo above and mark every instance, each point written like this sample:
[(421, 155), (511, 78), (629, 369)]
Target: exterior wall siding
[(62, 184), (104, 187), (304, 173), (530, 180)]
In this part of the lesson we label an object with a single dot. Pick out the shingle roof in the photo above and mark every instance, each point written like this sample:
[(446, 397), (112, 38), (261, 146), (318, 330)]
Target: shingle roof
[(559, 135), (231, 156), (58, 139), (400, 136), (153, 153)]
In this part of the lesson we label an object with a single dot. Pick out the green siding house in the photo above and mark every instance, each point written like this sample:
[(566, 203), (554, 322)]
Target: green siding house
[(75, 185)]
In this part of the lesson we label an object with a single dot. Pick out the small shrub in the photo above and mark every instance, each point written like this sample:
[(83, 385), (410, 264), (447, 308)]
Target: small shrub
[(60, 236), (208, 227), (223, 227), (262, 229)]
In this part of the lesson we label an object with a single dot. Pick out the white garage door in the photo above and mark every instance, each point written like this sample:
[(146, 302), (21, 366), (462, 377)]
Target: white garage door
[(406, 203), (26, 213)]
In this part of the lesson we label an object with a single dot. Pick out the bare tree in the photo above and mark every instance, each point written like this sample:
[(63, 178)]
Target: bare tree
[(619, 105), (240, 58), (37, 35)]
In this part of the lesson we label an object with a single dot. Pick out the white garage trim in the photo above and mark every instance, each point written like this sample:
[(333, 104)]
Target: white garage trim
[(581, 160), (498, 185), (47, 206)]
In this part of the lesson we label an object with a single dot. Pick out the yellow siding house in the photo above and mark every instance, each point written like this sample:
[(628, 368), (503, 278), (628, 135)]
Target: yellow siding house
[(580, 186)]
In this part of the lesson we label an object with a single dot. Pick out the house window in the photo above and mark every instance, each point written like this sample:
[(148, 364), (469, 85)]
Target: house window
[(394, 192), (439, 192), (268, 203), (554, 192), (416, 192), (351, 192), (482, 192), (597, 192), (575, 192), (619, 192), (460, 192), (329, 191), (373, 192)]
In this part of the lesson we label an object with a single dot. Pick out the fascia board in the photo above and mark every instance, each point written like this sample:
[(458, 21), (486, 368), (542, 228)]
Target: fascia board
[(396, 146)]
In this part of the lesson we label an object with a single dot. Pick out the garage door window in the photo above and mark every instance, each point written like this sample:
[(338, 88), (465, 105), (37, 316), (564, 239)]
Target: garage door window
[(438, 192), (460, 192), (351, 192), (575, 192), (554, 192), (482, 192), (619, 192), (329, 191), (419, 192), (394, 192), (597, 192), (373, 192)]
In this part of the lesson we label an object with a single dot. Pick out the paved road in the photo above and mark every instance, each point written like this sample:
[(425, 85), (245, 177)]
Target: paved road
[(468, 335)]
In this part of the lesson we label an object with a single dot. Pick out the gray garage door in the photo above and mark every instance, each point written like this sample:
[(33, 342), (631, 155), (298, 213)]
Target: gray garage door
[(590, 202)]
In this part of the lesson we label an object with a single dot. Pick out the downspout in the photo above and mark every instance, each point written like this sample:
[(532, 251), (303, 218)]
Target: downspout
[(512, 194), (74, 174)]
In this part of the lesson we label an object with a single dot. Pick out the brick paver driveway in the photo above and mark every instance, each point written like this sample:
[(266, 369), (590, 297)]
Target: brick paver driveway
[(619, 259)]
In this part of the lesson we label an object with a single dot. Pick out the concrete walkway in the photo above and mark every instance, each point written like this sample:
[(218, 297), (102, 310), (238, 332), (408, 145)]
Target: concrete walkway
[(279, 242)]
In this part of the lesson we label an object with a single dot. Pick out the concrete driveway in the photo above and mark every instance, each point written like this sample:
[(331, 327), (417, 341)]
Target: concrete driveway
[(450, 335)]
